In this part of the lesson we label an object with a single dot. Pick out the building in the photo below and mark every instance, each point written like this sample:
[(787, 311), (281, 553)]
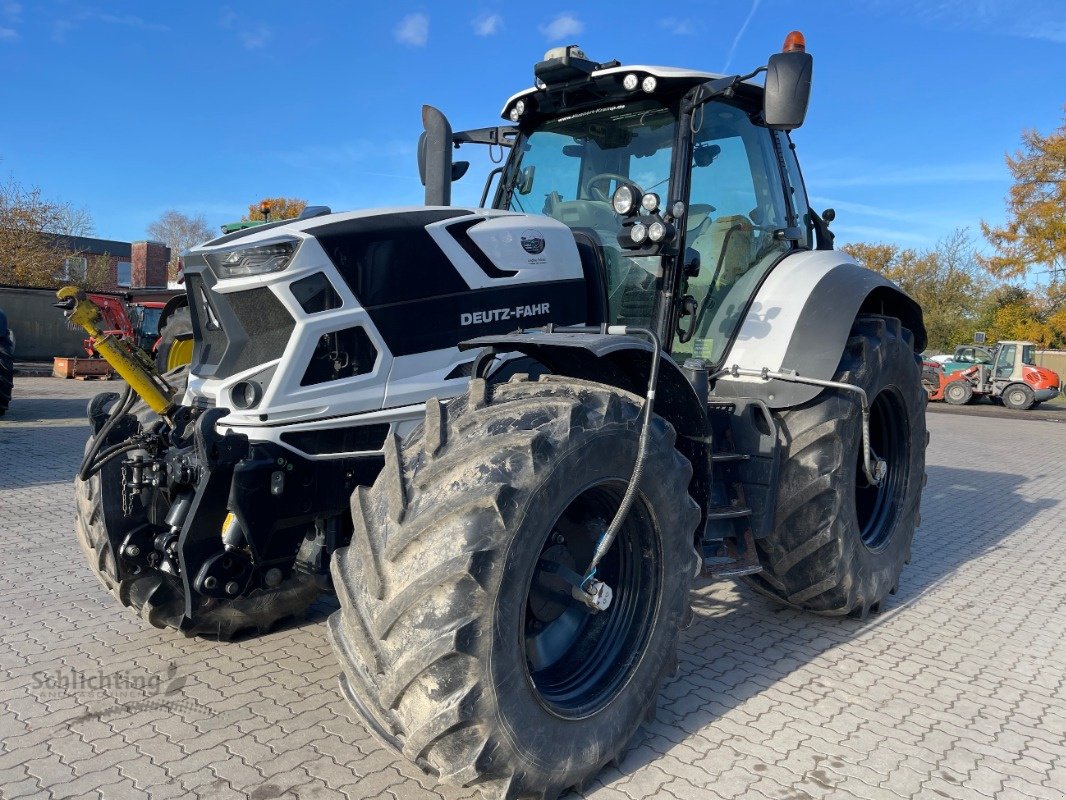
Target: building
[(129, 265)]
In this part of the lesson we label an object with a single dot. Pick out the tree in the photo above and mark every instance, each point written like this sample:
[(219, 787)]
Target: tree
[(1035, 231), (945, 280), (32, 247), (280, 208), (179, 232)]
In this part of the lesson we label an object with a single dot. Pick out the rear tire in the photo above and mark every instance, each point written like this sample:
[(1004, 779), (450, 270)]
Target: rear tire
[(159, 598), (175, 341), (1018, 396), (959, 393), (449, 645), (7, 367), (838, 544)]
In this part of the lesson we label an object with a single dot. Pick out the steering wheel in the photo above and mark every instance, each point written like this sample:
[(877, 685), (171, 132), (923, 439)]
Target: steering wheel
[(593, 191)]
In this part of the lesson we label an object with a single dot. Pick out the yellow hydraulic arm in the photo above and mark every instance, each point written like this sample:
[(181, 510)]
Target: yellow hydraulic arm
[(129, 362)]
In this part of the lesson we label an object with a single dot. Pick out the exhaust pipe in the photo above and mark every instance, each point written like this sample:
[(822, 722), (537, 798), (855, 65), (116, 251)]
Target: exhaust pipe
[(435, 157)]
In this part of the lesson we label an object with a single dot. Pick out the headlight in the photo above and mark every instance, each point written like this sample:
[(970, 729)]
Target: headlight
[(638, 233), (514, 115), (623, 200), (520, 107), (630, 82), (649, 84), (253, 259)]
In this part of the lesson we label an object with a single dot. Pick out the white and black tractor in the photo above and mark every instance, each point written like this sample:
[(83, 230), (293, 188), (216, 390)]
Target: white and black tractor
[(510, 437)]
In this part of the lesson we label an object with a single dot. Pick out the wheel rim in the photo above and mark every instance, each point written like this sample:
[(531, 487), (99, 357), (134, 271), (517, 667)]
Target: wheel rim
[(179, 354), (1017, 397), (577, 661), (878, 507)]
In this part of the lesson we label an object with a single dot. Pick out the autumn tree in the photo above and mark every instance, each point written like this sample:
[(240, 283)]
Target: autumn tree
[(1035, 231), (945, 280), (179, 232), (280, 208), (32, 231)]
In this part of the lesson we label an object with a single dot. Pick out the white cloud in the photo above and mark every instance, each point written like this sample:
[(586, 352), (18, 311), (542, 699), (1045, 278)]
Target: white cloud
[(8, 35), (680, 27), (564, 26), (253, 37), (413, 30), (256, 37), (131, 21), (488, 24)]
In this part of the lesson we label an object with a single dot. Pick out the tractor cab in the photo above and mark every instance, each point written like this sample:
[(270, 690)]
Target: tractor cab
[(681, 188)]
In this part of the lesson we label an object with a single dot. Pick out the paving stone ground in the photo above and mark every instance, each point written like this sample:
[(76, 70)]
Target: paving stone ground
[(956, 690)]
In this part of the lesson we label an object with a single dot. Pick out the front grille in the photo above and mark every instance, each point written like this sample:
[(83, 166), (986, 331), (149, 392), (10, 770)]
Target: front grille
[(236, 331), (350, 439), (268, 325)]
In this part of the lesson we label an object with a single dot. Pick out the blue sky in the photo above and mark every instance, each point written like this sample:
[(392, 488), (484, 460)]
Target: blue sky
[(128, 109)]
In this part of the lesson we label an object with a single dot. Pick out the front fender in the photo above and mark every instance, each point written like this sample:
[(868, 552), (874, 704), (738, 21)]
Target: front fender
[(800, 320)]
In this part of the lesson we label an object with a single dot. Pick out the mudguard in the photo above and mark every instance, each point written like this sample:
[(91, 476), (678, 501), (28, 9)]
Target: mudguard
[(800, 320), (620, 361)]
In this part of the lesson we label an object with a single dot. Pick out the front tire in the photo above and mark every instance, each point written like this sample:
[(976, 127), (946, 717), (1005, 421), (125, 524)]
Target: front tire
[(458, 643), (839, 544), (1018, 396), (159, 598), (959, 393)]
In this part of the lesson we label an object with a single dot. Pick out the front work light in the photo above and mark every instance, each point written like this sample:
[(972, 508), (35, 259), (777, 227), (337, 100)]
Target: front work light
[(623, 200), (638, 233), (630, 82), (253, 259), (649, 84), (650, 202)]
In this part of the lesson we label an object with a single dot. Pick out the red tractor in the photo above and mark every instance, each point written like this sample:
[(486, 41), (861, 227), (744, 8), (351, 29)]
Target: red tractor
[(137, 322)]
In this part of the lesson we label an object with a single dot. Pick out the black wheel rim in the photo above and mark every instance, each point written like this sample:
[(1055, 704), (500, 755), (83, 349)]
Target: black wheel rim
[(878, 507), (577, 661)]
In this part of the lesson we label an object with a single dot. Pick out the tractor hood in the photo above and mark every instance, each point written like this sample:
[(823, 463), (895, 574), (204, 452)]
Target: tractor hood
[(320, 317)]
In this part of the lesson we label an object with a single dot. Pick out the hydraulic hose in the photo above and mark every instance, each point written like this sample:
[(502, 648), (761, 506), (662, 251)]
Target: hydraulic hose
[(90, 465), (605, 542)]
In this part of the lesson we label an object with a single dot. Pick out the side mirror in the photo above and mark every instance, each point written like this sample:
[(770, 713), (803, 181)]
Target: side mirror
[(788, 89), (435, 157)]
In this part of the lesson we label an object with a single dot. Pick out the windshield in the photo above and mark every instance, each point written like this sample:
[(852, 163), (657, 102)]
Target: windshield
[(568, 169), (150, 321)]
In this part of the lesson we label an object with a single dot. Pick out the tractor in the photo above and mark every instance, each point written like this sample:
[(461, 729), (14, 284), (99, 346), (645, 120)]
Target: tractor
[(510, 437), (1008, 375)]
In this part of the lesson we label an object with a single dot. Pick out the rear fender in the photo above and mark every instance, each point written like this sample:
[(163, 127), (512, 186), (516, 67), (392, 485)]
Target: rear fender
[(800, 320)]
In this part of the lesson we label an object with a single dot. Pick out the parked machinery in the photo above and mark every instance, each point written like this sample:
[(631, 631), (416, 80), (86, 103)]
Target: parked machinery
[(1010, 377)]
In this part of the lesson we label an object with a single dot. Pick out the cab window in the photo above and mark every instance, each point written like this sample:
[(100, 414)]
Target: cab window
[(1005, 362), (736, 211)]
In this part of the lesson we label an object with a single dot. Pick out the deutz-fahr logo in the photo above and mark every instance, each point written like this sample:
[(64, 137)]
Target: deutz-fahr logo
[(532, 242)]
